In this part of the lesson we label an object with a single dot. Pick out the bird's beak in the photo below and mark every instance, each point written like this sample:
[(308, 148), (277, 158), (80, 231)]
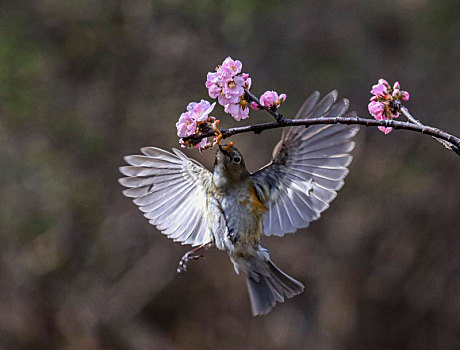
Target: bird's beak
[(225, 149)]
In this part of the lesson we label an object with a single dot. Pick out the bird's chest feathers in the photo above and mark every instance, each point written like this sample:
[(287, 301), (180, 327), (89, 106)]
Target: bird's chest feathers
[(244, 212)]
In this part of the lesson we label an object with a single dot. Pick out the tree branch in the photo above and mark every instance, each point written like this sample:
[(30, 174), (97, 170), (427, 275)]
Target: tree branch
[(446, 144), (452, 142)]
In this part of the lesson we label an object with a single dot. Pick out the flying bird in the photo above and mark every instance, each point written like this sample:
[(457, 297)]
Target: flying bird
[(231, 209)]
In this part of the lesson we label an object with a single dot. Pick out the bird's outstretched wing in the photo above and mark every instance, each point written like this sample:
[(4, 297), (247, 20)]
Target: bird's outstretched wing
[(171, 190), (307, 168)]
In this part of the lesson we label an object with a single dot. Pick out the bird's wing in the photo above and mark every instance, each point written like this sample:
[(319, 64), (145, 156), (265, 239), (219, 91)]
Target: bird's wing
[(171, 190), (307, 168)]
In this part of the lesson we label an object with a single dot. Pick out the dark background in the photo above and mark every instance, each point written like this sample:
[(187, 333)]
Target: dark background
[(85, 82)]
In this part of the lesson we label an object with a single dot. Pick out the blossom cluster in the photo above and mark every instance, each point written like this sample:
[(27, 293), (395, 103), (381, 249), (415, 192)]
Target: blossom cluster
[(189, 123), (385, 102), (227, 84), (230, 87)]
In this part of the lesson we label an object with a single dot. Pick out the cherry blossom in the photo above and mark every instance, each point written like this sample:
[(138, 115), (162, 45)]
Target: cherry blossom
[(197, 113), (385, 102), (227, 84), (271, 99)]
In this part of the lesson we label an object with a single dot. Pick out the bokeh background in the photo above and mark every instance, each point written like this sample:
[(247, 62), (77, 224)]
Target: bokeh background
[(85, 82)]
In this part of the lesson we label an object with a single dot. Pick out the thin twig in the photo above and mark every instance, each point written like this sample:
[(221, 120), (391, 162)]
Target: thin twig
[(406, 113), (258, 128)]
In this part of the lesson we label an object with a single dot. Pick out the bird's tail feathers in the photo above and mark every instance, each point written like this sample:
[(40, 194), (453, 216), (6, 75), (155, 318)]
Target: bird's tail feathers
[(267, 284)]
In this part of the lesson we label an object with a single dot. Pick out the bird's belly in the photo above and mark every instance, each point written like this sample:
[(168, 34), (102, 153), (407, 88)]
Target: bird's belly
[(244, 213)]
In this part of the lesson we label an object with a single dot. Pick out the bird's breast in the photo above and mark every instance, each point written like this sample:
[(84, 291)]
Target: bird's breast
[(244, 213)]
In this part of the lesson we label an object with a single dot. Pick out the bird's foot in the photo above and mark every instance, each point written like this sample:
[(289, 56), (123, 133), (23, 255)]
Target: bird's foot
[(185, 259), (190, 255)]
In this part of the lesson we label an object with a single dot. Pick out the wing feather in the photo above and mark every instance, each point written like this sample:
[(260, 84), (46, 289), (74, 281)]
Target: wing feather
[(308, 105), (171, 190), (195, 231), (179, 228), (344, 146), (172, 208), (291, 204), (156, 201), (192, 227), (151, 196), (307, 168), (324, 105)]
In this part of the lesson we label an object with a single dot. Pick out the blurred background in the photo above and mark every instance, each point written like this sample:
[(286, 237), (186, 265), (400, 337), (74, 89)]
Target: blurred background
[(85, 82)]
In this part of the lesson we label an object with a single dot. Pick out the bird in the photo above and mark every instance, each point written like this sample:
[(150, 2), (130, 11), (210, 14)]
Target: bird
[(231, 209)]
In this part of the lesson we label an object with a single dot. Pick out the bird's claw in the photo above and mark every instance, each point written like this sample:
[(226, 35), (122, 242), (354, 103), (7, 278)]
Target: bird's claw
[(185, 259)]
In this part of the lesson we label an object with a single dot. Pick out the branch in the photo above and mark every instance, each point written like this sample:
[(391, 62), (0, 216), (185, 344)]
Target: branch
[(446, 144), (453, 142)]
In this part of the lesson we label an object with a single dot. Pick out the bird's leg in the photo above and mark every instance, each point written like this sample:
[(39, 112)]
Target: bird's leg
[(190, 255)]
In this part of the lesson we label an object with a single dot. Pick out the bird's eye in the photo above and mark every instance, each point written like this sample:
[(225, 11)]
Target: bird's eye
[(237, 160)]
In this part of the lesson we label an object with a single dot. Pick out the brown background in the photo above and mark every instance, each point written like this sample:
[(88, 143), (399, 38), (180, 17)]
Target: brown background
[(84, 82)]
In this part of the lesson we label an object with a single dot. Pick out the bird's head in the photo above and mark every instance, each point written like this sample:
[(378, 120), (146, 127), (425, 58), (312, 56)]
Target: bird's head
[(230, 164)]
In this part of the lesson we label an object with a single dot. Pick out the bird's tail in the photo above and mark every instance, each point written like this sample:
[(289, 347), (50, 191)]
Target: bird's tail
[(267, 284)]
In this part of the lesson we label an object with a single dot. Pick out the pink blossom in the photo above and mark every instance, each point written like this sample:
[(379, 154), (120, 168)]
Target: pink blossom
[(382, 111), (247, 81), (405, 95), (186, 125), (232, 90), (197, 113), (201, 110), (231, 67), (381, 89), (224, 83), (384, 129), (202, 143), (238, 111), (376, 109), (398, 94), (271, 99), (382, 105), (227, 84), (213, 89)]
